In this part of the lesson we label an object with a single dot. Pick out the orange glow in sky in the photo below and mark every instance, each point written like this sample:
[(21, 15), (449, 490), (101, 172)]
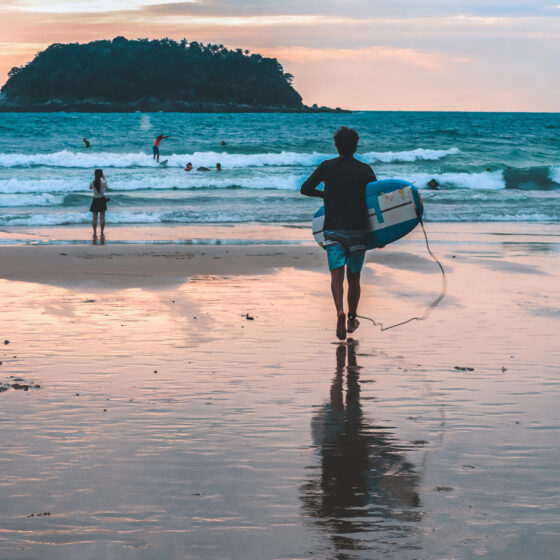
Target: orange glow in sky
[(359, 55)]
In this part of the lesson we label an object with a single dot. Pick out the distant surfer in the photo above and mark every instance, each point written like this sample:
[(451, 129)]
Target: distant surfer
[(223, 142), (157, 142), (86, 142), (188, 167), (345, 229), (99, 203), (218, 167), (202, 168)]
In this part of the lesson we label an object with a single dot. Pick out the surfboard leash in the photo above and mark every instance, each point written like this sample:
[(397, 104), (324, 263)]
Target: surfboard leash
[(432, 305)]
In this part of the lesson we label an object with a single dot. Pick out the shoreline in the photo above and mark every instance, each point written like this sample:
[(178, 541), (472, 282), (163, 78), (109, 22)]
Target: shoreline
[(163, 256), (261, 233), (194, 108)]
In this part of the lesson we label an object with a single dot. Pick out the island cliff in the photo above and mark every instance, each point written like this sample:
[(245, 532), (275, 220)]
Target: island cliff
[(122, 75)]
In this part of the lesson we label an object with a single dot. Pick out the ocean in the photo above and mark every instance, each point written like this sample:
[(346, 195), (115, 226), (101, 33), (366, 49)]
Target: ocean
[(491, 167)]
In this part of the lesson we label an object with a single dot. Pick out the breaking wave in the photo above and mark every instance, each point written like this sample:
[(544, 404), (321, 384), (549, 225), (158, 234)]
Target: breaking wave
[(69, 159)]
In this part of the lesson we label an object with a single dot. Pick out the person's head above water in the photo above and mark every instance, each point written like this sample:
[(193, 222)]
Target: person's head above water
[(188, 167), (218, 166), (346, 141)]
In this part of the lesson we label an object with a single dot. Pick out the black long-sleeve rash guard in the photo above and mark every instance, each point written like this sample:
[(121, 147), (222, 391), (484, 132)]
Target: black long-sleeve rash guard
[(345, 180)]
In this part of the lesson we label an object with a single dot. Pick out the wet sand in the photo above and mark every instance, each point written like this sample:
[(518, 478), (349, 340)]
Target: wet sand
[(193, 402)]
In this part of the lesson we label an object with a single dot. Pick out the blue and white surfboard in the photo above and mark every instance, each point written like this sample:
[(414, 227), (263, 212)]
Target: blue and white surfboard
[(394, 207)]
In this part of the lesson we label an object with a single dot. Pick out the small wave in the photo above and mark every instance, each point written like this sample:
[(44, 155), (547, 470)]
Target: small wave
[(149, 217), (531, 178), (72, 200), (27, 200), (177, 181), (67, 218), (52, 219), (505, 217), (248, 215), (68, 159), (420, 154), (486, 180), (492, 180)]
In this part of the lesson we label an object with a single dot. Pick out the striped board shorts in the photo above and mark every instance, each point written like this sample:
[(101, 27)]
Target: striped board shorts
[(345, 247)]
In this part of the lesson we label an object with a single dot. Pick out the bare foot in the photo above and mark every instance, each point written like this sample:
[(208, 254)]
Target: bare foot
[(341, 326), (352, 325)]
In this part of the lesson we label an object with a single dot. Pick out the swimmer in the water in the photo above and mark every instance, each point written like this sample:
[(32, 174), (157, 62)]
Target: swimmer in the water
[(188, 167)]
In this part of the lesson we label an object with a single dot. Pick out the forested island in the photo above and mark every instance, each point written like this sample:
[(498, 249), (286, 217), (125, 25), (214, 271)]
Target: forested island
[(123, 75)]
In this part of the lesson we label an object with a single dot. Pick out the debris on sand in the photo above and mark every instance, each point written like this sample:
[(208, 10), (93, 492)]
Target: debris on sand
[(248, 317), (18, 384), (464, 368), (44, 514)]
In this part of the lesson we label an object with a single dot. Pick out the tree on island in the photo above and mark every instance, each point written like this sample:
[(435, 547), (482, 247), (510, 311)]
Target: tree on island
[(125, 72)]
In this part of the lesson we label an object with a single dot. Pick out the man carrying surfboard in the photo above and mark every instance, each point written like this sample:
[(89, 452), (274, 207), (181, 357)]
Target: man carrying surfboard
[(157, 141), (345, 228)]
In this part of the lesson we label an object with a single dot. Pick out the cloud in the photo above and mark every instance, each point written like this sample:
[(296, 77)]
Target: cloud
[(411, 57), (83, 6), (270, 20), (20, 48)]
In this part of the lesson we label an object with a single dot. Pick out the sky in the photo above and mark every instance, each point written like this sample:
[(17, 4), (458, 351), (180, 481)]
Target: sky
[(480, 55)]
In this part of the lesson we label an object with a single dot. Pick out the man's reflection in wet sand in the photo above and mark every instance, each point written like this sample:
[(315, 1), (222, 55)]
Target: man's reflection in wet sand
[(366, 492)]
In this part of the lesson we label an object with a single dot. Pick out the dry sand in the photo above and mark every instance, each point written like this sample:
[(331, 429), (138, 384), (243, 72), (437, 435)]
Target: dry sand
[(169, 425)]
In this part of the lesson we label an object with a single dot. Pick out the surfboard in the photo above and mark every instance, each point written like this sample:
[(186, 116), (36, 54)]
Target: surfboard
[(164, 162), (394, 208)]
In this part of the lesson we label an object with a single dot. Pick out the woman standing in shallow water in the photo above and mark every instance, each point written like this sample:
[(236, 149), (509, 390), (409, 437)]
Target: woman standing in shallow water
[(99, 202)]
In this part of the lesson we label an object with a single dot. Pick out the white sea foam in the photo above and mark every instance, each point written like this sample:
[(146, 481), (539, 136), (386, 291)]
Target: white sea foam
[(486, 180), (177, 181), (554, 174), (253, 215), (512, 218), (410, 156), (90, 160), (50, 219), (64, 218), (23, 200), (125, 217), (261, 180)]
